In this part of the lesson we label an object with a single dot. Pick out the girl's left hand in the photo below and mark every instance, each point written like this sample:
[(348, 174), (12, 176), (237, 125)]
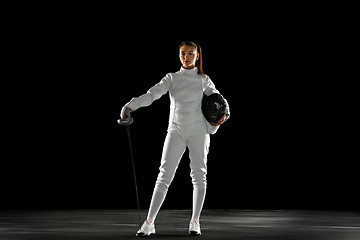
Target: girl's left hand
[(221, 120)]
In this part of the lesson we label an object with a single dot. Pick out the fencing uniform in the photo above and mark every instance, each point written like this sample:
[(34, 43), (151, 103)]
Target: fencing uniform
[(187, 129)]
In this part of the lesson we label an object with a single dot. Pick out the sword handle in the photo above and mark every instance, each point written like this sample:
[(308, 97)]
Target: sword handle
[(125, 121)]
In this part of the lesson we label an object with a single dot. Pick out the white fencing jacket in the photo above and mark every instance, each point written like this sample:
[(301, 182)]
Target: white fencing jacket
[(186, 88)]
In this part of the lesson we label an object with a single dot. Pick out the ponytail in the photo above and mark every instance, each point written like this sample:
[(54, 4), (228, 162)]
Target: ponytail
[(199, 62)]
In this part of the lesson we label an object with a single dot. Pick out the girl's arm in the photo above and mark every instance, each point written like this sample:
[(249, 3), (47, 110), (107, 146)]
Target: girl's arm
[(151, 95), (210, 89)]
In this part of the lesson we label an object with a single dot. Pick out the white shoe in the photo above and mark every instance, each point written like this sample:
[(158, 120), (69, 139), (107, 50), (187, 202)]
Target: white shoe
[(194, 227), (146, 229)]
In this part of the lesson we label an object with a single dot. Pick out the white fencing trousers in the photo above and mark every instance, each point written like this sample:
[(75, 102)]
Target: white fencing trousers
[(177, 139)]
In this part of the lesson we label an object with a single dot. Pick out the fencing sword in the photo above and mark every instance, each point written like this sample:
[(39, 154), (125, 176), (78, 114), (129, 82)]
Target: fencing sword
[(126, 122)]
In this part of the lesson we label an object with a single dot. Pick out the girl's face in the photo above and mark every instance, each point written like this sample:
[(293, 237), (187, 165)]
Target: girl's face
[(188, 56)]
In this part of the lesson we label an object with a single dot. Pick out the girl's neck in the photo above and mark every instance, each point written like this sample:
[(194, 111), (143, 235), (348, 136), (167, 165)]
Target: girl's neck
[(188, 68)]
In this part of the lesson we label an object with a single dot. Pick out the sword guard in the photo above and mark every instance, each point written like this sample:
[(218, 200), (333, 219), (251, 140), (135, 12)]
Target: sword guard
[(125, 121)]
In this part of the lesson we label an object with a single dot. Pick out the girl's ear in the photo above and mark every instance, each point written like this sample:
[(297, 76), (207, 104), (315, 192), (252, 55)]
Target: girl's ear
[(197, 56)]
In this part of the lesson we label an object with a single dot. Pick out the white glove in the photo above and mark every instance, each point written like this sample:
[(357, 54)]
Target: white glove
[(125, 112)]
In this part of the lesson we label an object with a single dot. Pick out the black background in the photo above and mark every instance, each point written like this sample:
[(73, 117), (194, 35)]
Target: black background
[(286, 146)]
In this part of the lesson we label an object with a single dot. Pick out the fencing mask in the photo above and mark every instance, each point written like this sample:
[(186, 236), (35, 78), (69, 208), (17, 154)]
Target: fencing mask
[(213, 107)]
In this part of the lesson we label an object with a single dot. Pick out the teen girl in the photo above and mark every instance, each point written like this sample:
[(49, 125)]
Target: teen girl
[(187, 129)]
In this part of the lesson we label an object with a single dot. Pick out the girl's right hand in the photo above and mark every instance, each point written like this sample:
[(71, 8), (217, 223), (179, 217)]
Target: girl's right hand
[(125, 112)]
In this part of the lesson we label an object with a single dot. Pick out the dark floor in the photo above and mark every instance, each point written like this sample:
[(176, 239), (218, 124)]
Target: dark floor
[(173, 224)]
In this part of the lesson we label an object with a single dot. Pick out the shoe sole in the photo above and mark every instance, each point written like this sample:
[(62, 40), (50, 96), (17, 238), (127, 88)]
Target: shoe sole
[(144, 235), (193, 233)]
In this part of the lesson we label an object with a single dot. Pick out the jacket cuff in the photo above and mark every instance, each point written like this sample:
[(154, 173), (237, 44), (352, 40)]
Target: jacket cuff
[(211, 129)]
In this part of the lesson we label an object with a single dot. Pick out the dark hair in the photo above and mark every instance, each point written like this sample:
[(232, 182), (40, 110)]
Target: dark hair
[(198, 49)]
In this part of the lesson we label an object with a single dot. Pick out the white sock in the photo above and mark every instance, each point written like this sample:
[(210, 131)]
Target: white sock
[(155, 205), (198, 202)]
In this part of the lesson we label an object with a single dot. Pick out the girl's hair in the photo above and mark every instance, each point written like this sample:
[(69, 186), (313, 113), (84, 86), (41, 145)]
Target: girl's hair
[(198, 49)]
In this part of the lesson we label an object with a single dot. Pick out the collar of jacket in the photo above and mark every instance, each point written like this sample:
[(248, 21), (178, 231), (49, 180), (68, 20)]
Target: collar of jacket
[(192, 71)]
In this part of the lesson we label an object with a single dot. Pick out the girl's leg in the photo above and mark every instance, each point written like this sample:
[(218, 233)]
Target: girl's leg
[(198, 150), (174, 148)]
